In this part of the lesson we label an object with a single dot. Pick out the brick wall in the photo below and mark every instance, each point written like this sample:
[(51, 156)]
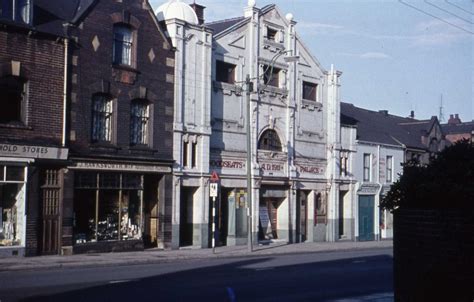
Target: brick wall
[(433, 255), (42, 63)]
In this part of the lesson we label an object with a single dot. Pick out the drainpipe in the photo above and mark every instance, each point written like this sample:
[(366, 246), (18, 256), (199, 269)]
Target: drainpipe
[(66, 52)]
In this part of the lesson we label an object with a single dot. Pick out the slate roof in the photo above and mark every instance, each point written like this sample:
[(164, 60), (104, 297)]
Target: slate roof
[(384, 128), (49, 16), (461, 128), (220, 26)]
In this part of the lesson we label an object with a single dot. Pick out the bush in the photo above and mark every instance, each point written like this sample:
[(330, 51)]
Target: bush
[(447, 182)]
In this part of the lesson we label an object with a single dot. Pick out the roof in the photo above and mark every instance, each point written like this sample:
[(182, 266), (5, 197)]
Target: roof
[(220, 26), (175, 9), (381, 127), (460, 128), (49, 16)]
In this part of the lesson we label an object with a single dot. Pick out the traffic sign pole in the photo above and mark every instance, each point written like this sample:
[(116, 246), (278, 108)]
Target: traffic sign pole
[(213, 225)]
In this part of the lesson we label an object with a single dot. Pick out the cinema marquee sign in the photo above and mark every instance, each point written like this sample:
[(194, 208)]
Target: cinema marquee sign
[(40, 152)]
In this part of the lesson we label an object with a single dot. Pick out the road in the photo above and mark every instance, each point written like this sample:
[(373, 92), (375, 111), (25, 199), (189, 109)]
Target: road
[(358, 275)]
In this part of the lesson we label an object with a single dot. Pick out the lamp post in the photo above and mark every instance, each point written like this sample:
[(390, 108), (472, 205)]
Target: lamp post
[(249, 90)]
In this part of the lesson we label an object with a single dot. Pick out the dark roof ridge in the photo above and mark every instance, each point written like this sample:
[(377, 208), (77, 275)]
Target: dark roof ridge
[(225, 20)]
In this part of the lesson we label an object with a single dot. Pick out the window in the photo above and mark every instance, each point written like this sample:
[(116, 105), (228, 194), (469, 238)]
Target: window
[(389, 169), (366, 167), (269, 141), (194, 155), (309, 91), (17, 10), (271, 34), (102, 118), (225, 72), (344, 163), (139, 121), (123, 45), (108, 206), (185, 154), (271, 76), (12, 97)]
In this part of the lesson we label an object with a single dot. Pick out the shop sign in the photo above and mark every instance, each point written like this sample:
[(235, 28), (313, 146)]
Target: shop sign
[(229, 164), (272, 167), (120, 167), (310, 169), (25, 151)]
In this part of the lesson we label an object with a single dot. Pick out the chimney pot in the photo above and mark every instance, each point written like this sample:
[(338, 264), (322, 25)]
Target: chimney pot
[(199, 10)]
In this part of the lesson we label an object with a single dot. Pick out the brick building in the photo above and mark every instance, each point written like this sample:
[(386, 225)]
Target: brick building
[(118, 185), (32, 128)]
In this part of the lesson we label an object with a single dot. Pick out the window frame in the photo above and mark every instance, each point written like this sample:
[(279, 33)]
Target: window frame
[(17, 10), (19, 86), (127, 55), (106, 115), (140, 122), (270, 141), (226, 75), (271, 76), (389, 169), (313, 95), (366, 176)]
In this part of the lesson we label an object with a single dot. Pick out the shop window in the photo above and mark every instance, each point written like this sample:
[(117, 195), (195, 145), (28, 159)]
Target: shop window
[(12, 205), (225, 72), (17, 10), (111, 211), (367, 173), (123, 45), (102, 112), (389, 169), (269, 141), (139, 122), (271, 75), (13, 99), (309, 91)]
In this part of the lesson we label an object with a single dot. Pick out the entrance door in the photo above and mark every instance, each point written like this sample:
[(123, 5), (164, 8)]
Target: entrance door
[(302, 217), (151, 210), (51, 212), (186, 217), (366, 217)]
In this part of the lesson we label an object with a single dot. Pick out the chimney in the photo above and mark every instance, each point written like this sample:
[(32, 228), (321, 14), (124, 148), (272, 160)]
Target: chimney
[(412, 114), (454, 119), (199, 10)]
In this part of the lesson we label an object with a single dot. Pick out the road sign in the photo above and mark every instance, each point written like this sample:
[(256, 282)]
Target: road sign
[(213, 189), (214, 177)]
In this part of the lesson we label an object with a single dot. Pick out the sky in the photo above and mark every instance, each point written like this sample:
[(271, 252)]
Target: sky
[(395, 55)]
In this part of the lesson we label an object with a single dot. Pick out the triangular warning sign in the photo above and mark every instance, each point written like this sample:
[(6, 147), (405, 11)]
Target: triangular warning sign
[(214, 176)]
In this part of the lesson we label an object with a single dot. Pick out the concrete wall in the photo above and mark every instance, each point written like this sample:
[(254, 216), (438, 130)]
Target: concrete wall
[(434, 255)]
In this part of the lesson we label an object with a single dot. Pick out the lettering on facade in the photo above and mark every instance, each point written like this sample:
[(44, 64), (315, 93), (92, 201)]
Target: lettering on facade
[(120, 167), (310, 169), (272, 167), (33, 151), (230, 164)]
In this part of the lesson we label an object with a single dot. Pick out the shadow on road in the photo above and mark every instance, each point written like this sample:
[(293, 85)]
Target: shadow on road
[(251, 280)]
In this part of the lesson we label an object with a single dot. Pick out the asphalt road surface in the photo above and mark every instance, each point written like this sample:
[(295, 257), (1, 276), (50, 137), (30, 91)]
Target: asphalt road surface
[(326, 276)]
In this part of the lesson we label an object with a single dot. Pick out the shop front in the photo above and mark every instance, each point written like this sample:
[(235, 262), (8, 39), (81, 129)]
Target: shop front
[(118, 207)]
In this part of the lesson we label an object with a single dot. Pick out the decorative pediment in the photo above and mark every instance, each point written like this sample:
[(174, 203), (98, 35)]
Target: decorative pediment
[(239, 42)]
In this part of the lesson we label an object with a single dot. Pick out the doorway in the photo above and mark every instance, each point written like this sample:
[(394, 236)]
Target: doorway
[(186, 216), (302, 213), (366, 218), (268, 222)]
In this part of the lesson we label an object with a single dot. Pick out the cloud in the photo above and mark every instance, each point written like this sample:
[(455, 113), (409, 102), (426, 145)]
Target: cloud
[(439, 33), (367, 55), (320, 27)]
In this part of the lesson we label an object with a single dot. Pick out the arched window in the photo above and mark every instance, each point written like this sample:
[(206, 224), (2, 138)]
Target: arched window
[(123, 45), (139, 122), (13, 99), (17, 10), (269, 141), (102, 113)]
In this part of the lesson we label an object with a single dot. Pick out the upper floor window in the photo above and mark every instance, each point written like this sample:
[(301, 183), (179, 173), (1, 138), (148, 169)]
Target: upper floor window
[(344, 163), (139, 122), (309, 91), (123, 45), (102, 113), (367, 165), (13, 99), (17, 10), (269, 141), (389, 171), (271, 76), (272, 34), (225, 72)]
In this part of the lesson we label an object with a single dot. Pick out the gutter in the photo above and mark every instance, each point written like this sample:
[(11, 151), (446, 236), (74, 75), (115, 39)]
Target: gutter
[(66, 52)]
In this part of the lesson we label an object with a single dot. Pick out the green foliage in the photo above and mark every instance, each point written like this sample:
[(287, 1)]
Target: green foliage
[(447, 182)]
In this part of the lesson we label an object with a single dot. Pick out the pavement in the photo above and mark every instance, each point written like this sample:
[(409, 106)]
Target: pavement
[(153, 256)]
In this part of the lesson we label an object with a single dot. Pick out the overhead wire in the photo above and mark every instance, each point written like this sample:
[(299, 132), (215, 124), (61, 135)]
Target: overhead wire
[(448, 12), (436, 17), (459, 7)]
